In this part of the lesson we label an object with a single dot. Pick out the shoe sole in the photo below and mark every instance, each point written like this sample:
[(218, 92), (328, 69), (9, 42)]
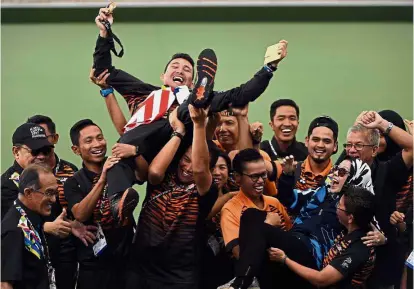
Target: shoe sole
[(206, 72), (126, 207)]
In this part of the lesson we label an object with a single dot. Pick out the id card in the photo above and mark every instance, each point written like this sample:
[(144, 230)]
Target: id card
[(51, 275), (410, 260), (273, 53), (100, 244)]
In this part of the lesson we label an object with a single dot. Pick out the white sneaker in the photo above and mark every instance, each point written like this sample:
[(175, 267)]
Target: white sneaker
[(254, 285)]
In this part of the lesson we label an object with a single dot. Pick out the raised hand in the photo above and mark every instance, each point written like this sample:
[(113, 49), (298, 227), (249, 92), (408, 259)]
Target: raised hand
[(372, 119), (100, 80), (288, 165), (121, 150), (198, 115), (175, 123), (104, 15), (256, 131)]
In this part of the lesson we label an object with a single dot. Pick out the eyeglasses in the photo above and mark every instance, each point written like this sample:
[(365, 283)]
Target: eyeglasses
[(338, 208), (357, 146), (50, 135), (255, 177), (48, 194), (342, 172), (45, 150)]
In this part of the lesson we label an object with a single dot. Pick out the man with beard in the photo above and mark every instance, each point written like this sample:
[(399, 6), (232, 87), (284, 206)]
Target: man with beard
[(311, 173), (388, 177), (284, 121)]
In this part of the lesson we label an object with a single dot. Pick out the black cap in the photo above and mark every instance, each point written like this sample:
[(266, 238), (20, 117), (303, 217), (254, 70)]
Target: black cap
[(325, 121), (31, 135)]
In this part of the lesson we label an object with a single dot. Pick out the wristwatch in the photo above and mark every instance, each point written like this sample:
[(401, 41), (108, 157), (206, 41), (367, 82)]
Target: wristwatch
[(136, 151), (177, 134), (390, 126), (105, 92)]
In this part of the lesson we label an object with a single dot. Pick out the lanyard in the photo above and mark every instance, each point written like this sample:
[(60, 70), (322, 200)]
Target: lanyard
[(34, 233)]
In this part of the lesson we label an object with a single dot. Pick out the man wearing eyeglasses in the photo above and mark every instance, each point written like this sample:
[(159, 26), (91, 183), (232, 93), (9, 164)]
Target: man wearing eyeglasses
[(31, 146), (25, 258), (63, 251), (251, 174), (388, 177)]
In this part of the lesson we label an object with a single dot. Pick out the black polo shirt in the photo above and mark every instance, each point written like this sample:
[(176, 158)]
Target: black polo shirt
[(352, 259), (118, 239), (9, 187), (10, 182), (297, 149), (19, 266)]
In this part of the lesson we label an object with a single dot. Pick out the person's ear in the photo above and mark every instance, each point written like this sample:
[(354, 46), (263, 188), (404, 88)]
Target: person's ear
[(15, 151), (374, 151), (307, 141), (335, 147), (28, 193), (237, 178), (55, 138), (75, 150), (162, 77)]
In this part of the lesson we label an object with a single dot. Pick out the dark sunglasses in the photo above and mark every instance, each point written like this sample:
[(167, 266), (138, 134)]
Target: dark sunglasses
[(341, 171), (44, 150)]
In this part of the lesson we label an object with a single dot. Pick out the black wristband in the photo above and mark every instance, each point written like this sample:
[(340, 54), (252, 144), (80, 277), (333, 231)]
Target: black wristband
[(272, 176), (176, 133)]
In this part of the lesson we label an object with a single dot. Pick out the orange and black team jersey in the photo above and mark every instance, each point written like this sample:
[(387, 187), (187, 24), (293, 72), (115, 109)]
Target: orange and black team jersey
[(170, 224), (234, 209), (352, 259), (309, 180), (62, 172), (404, 197)]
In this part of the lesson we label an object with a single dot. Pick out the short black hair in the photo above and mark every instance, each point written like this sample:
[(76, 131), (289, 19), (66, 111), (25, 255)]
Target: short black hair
[(282, 102), (77, 127), (324, 121), (360, 203), (245, 156), (30, 176), (39, 119), (183, 56)]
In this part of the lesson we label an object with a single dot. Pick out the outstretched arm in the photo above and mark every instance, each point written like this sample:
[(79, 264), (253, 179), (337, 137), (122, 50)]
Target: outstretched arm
[(249, 91), (200, 156), (115, 112), (162, 161), (131, 88)]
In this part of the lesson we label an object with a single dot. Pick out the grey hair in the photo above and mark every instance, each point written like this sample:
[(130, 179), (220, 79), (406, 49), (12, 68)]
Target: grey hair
[(373, 134), (29, 179)]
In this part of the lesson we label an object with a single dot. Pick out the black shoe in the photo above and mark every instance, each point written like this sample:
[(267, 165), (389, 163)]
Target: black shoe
[(123, 206), (201, 95)]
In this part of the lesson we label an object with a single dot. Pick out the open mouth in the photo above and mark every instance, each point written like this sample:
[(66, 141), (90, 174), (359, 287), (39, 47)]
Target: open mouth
[(319, 152), (178, 79), (216, 180), (286, 131), (258, 189), (98, 152)]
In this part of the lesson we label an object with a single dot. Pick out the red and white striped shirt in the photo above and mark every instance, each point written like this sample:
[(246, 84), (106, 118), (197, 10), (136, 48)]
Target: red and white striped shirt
[(156, 105)]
